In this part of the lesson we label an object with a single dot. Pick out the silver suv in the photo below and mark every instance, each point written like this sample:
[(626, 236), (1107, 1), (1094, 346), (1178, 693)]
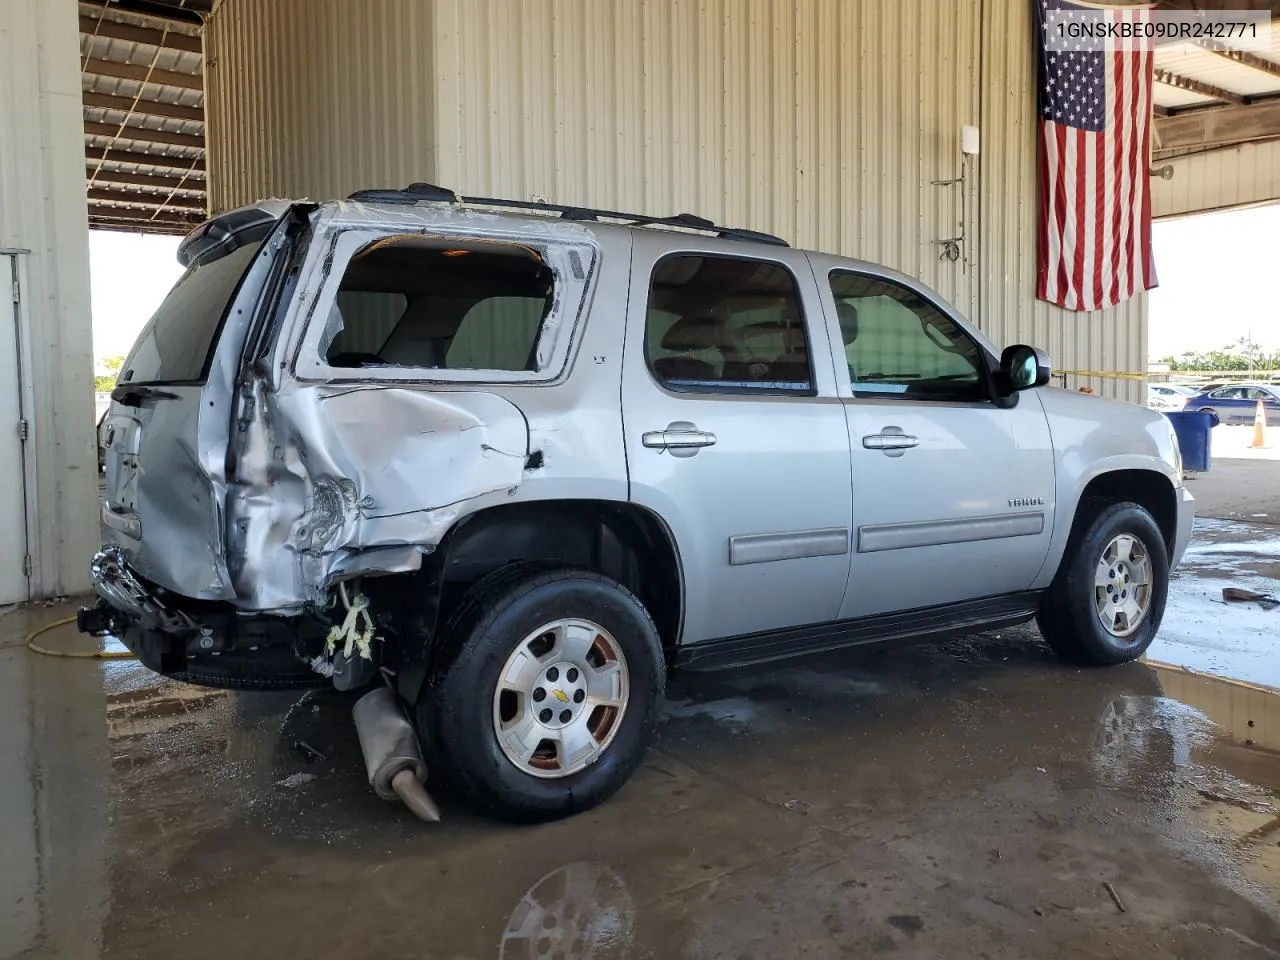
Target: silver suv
[(516, 461)]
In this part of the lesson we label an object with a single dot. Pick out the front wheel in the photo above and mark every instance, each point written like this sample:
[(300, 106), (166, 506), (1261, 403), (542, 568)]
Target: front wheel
[(547, 702), (1105, 605)]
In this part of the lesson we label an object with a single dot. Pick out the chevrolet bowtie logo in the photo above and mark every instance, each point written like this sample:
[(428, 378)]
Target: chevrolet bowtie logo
[(560, 695)]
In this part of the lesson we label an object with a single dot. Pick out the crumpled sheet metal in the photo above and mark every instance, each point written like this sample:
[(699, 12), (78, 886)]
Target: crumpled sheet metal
[(360, 479)]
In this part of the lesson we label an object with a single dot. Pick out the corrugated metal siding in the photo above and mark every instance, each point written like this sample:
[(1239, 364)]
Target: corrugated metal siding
[(43, 211), (317, 97), (819, 120), (1233, 177), (1106, 340)]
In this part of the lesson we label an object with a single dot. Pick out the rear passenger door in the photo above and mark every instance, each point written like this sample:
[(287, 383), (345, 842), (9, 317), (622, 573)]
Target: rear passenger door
[(734, 434), (953, 497)]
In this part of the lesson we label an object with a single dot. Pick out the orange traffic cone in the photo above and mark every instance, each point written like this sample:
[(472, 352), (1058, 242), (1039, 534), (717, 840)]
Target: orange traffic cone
[(1259, 427)]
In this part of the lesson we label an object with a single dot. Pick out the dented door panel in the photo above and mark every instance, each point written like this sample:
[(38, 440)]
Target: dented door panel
[(343, 471), (337, 480)]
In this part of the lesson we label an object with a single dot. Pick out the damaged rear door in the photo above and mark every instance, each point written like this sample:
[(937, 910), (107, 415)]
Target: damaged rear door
[(413, 339), (166, 433)]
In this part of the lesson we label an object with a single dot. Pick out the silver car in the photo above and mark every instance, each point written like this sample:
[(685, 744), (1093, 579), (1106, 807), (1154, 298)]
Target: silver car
[(508, 464)]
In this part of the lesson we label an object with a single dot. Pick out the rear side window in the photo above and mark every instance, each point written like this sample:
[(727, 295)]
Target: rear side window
[(176, 343), (725, 324), (414, 302), (898, 343)]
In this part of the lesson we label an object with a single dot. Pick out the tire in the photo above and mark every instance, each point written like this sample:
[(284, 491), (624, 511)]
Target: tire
[(1069, 618), (460, 711)]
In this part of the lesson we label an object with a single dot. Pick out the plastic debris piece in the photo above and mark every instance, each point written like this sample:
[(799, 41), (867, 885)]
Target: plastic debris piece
[(1236, 595)]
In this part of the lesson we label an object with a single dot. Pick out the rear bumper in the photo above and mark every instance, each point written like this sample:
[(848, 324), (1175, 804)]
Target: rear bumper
[(198, 643), (123, 592), (1186, 519)]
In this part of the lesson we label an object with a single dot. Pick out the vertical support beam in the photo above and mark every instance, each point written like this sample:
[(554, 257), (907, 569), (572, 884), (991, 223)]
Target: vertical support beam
[(43, 210)]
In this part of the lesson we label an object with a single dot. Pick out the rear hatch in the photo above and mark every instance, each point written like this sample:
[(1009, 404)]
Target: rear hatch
[(167, 430)]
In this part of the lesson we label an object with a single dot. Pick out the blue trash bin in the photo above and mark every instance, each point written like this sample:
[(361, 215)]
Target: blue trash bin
[(1192, 429)]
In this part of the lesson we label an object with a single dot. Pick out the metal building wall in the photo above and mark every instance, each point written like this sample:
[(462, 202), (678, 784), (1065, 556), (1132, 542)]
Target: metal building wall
[(315, 98), (43, 212), (1112, 340), (1217, 179), (826, 122)]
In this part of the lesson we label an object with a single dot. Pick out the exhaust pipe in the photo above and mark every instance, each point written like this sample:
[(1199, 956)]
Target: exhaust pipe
[(392, 755)]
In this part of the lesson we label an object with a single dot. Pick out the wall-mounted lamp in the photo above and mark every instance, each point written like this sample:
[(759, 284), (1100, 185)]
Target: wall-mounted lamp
[(969, 140), (1164, 173)]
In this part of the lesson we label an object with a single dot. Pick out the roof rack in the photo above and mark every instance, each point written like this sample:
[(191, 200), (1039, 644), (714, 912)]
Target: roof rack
[(429, 192)]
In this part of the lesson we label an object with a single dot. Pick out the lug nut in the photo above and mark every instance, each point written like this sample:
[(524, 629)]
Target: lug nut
[(545, 716), (539, 695), (572, 675), (553, 674), (565, 716), (579, 696)]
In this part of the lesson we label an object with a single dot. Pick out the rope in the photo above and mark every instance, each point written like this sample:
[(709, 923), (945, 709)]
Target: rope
[(72, 654), (356, 631)]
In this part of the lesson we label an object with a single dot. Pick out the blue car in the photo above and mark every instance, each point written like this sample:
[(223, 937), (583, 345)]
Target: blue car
[(1238, 402)]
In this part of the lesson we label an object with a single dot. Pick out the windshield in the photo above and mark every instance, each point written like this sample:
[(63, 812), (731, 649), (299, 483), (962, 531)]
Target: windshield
[(175, 345)]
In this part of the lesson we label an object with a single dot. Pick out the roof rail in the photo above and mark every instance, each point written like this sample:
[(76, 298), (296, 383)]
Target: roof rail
[(429, 192)]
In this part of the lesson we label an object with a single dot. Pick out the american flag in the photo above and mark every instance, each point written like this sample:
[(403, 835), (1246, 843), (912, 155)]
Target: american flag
[(1095, 199)]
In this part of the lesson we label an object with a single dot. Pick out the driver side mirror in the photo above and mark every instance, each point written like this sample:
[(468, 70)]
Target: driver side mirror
[(1023, 367)]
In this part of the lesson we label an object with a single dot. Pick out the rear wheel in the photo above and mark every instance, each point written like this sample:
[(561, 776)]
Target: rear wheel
[(1106, 603), (546, 704)]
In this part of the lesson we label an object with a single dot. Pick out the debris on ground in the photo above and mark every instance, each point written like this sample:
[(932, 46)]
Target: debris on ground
[(296, 780), (308, 751), (799, 806), (1114, 896), (1235, 595)]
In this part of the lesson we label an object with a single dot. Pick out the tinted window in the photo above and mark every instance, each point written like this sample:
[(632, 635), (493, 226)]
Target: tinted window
[(898, 343), (176, 343), (415, 303), (725, 324), (1230, 393)]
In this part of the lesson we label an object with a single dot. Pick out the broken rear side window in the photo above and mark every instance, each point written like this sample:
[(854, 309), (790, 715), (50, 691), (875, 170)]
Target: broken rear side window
[(423, 302)]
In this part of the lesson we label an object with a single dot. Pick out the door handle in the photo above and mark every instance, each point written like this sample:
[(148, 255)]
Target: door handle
[(680, 439), (880, 441), (891, 441)]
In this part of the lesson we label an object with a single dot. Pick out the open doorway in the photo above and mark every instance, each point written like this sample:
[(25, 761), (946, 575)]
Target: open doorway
[(1214, 344), (129, 274)]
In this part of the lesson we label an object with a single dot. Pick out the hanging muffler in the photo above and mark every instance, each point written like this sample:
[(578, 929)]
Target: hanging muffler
[(392, 755)]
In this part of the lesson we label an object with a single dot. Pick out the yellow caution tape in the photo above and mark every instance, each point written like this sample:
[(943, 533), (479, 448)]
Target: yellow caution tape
[(1102, 374)]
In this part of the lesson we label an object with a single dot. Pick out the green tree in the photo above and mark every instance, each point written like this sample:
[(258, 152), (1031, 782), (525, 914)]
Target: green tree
[(106, 382)]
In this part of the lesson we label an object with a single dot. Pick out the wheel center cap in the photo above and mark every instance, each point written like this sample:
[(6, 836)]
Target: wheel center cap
[(559, 694)]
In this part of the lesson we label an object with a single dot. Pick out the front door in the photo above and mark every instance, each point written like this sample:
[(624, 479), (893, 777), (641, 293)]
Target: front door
[(735, 436), (13, 505), (953, 497)]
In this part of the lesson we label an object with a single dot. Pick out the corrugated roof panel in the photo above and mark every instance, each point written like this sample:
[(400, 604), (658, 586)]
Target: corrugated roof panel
[(1196, 63), (1167, 96)]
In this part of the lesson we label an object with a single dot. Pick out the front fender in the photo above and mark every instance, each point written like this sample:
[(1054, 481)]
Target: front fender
[(1092, 437)]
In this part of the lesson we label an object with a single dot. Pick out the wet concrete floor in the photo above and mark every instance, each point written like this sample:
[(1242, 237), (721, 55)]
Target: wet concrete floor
[(962, 799)]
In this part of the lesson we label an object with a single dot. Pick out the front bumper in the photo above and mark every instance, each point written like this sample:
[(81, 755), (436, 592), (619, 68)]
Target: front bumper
[(1186, 520), (204, 643)]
